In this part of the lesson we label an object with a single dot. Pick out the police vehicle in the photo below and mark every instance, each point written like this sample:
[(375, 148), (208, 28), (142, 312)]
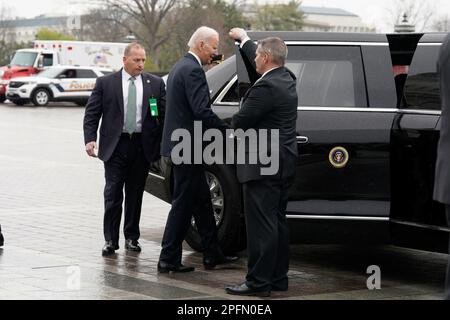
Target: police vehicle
[(57, 83)]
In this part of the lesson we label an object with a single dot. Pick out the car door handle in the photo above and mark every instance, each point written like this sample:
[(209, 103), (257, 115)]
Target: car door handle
[(302, 139)]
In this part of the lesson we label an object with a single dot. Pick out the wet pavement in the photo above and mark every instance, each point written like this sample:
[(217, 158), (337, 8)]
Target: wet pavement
[(51, 212)]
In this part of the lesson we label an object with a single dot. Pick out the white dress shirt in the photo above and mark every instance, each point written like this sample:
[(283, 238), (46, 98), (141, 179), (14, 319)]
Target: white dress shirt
[(139, 99), (244, 41)]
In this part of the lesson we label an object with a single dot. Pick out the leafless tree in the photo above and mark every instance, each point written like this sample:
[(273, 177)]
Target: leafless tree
[(144, 19), (100, 24), (184, 20), (442, 24), (7, 36), (6, 27)]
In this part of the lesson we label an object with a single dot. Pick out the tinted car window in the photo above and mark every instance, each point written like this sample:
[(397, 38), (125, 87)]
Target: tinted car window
[(218, 76), (328, 76), (422, 85), (232, 94), (86, 74), (68, 74)]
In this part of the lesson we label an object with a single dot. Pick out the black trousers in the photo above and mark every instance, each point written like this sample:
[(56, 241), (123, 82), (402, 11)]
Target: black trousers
[(447, 278), (191, 198), (127, 167), (265, 204)]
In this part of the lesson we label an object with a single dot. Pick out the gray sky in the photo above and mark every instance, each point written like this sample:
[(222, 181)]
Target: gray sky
[(372, 12)]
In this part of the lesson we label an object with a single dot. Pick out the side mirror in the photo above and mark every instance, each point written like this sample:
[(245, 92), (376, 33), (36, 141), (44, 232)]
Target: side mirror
[(40, 62)]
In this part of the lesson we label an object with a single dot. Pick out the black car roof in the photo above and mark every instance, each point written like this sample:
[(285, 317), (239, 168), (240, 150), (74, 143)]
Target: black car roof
[(433, 37), (342, 36), (319, 36)]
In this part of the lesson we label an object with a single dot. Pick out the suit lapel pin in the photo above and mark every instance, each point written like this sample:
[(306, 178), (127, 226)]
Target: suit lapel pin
[(148, 81)]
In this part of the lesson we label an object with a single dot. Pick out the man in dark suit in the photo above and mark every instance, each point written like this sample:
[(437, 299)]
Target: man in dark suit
[(188, 100), (131, 105), (270, 104), (442, 177)]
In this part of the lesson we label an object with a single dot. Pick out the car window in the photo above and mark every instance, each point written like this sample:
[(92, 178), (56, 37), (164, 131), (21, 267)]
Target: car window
[(86, 74), (422, 84), (229, 95), (218, 76), (68, 74), (232, 94), (105, 73), (47, 60), (328, 76)]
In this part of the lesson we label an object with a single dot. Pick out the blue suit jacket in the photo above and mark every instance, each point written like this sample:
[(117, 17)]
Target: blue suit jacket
[(106, 103), (188, 100)]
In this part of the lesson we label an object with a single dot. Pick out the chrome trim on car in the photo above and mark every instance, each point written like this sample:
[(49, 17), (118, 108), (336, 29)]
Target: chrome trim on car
[(346, 218), (225, 91), (302, 140), (431, 44), (338, 43), (419, 225), (429, 112), (156, 176), (231, 104), (367, 109)]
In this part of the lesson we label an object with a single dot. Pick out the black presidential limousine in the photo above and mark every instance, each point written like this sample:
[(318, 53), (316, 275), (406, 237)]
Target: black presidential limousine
[(367, 127)]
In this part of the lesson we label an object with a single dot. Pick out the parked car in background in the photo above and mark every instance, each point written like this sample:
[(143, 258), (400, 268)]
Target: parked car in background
[(367, 132), (47, 53), (58, 83)]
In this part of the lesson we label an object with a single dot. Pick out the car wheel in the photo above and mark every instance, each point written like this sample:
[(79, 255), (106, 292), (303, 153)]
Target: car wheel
[(226, 200), (40, 97)]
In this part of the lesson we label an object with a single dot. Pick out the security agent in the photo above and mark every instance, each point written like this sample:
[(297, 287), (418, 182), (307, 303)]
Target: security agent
[(271, 103), (129, 141)]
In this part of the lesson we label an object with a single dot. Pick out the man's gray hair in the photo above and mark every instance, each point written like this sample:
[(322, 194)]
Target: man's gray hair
[(129, 47), (275, 48), (201, 34)]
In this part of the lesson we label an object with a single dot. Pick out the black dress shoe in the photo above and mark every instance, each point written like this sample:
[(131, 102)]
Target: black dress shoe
[(109, 248), (211, 263), (132, 245), (164, 267), (243, 290)]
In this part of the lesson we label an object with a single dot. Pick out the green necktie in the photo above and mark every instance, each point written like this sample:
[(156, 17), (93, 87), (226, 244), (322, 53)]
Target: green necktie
[(130, 125)]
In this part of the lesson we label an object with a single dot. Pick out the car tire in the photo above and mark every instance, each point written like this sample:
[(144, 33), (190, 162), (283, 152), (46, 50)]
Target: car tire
[(40, 97), (226, 198)]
